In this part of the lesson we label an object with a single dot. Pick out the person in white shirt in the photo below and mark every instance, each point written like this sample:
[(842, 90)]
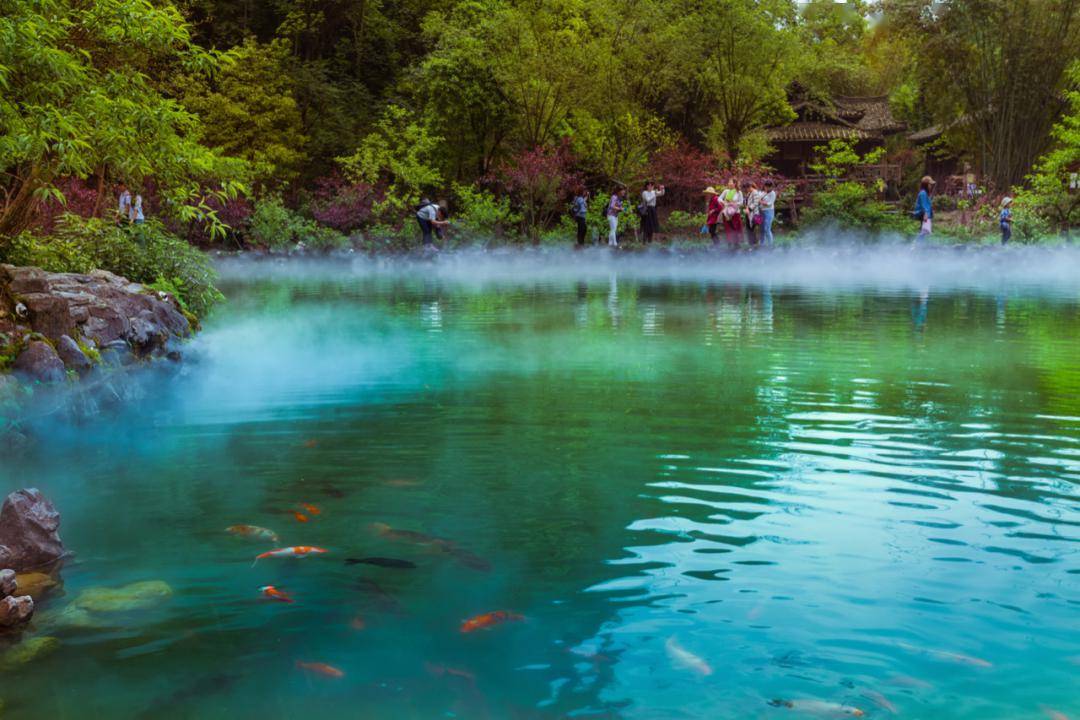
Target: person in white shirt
[(751, 219), (767, 206), (650, 223), (137, 217), (123, 208), (427, 216)]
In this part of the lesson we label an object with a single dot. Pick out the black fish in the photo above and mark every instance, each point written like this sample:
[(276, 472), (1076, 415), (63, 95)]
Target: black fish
[(383, 600), (198, 689), (471, 560), (382, 562)]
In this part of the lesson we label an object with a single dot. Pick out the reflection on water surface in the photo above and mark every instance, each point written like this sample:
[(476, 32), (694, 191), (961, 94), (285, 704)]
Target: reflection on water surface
[(708, 495)]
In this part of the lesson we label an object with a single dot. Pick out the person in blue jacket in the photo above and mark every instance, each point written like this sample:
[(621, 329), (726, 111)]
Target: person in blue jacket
[(1005, 219), (924, 210)]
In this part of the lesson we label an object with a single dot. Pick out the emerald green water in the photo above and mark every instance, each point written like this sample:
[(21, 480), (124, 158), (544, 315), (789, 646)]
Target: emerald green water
[(834, 483)]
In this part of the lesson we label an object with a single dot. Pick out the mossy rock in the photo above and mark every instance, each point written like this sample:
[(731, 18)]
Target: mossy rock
[(137, 596), (35, 584), (27, 651)]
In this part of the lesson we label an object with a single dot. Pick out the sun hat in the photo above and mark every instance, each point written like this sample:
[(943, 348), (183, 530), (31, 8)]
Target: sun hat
[(711, 191), (1006, 201), (928, 179)]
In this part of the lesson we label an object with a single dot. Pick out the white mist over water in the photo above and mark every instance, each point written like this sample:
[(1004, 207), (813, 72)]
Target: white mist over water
[(834, 266)]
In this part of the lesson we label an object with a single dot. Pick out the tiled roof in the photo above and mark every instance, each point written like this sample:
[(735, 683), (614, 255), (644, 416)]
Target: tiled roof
[(874, 113), (818, 132), (925, 134)]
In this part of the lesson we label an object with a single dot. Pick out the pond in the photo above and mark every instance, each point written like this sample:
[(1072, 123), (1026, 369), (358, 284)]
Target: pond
[(807, 484)]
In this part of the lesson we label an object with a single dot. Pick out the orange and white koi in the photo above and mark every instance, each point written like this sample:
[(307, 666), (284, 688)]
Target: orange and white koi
[(681, 657), (818, 707), (300, 517), (488, 620), (297, 551), (312, 509), (878, 699), (950, 656), (321, 669), (253, 531), (274, 594)]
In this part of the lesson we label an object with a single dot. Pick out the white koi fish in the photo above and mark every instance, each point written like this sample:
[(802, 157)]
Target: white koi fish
[(683, 658)]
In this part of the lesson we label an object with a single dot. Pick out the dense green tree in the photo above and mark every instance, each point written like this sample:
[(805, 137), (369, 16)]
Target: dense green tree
[(995, 69), (81, 95), (249, 111)]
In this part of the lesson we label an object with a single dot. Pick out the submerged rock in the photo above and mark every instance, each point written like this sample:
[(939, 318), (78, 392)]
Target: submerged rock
[(137, 596), (35, 584), (28, 531), (27, 651), (40, 362)]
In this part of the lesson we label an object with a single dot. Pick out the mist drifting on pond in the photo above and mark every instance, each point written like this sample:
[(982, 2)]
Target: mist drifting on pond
[(650, 450)]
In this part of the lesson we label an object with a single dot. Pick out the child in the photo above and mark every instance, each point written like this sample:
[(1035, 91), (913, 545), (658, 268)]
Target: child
[(1005, 220)]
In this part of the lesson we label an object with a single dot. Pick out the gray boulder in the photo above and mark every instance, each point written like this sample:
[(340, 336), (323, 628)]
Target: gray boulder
[(72, 355), (40, 362), (28, 531), (15, 610)]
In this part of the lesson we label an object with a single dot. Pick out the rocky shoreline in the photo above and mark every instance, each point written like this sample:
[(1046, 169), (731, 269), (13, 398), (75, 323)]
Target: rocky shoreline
[(60, 328)]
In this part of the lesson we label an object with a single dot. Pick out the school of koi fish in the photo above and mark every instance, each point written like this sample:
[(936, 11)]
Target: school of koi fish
[(680, 657)]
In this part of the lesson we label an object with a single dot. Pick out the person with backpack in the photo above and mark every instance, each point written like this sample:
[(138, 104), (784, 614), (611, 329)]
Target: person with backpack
[(924, 210), (427, 216), (579, 211), (650, 223), (614, 207)]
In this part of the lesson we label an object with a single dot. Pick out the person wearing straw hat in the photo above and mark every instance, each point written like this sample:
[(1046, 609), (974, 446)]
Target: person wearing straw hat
[(1005, 219), (924, 210), (712, 212)]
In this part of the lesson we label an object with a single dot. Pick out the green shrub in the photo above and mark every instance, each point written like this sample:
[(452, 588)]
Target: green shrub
[(855, 206), (273, 225), (142, 253), (681, 220), (483, 215)]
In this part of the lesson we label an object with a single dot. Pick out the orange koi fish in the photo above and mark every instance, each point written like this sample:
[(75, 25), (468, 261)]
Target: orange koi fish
[(300, 517), (488, 620), (311, 443), (252, 531), (312, 509), (321, 669), (358, 623), (274, 594), (1055, 714), (297, 551)]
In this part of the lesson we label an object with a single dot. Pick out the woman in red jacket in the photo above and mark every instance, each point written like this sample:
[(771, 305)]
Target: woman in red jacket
[(713, 211)]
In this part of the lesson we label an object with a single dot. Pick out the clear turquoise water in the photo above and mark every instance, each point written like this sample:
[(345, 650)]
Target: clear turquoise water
[(825, 487)]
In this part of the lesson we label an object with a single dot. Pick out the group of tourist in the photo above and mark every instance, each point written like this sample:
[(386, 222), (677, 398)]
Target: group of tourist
[(746, 212), (129, 210)]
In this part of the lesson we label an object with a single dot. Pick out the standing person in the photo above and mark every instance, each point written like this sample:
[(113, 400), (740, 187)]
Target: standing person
[(614, 207), (579, 211), (427, 216), (767, 206), (136, 216), (733, 200), (751, 216), (1005, 219), (713, 211), (650, 223), (924, 210), (123, 208)]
